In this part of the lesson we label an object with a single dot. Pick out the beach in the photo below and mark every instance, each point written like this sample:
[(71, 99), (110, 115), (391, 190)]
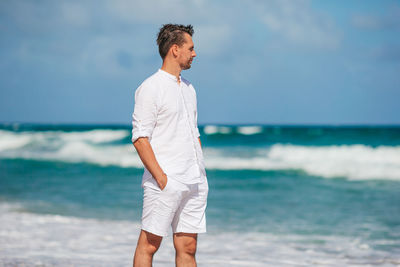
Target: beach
[(70, 195)]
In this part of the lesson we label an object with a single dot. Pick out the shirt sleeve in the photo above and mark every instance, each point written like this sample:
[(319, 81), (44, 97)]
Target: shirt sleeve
[(145, 112)]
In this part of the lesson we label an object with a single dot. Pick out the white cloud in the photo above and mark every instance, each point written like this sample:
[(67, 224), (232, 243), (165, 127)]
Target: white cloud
[(212, 39), (388, 21), (100, 56), (89, 36), (298, 23), (75, 13), (211, 32), (158, 11)]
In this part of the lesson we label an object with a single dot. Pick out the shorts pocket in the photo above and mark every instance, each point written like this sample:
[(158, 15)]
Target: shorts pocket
[(165, 187)]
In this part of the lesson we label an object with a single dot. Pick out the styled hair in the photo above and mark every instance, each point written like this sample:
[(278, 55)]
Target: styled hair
[(171, 34)]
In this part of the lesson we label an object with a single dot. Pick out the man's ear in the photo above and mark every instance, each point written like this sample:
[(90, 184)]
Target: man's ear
[(174, 50)]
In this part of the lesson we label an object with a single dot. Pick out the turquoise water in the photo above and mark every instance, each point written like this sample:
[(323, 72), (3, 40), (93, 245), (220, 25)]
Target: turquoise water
[(310, 194)]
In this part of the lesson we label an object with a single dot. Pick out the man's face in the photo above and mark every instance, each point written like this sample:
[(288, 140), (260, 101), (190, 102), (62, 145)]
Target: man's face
[(186, 53)]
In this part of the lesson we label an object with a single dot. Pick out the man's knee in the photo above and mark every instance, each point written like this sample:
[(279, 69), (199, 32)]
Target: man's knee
[(149, 249), (149, 243), (190, 248), (186, 245)]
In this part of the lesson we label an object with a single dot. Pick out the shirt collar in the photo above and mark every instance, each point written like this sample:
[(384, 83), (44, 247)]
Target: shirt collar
[(169, 75)]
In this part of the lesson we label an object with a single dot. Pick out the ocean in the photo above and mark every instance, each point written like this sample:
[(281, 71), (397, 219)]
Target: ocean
[(70, 195)]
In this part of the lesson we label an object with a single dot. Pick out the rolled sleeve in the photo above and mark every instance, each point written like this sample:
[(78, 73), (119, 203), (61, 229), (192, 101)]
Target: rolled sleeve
[(145, 112)]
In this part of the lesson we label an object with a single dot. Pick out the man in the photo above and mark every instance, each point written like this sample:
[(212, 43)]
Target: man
[(166, 137)]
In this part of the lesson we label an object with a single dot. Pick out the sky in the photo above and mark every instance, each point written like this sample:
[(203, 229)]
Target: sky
[(258, 61)]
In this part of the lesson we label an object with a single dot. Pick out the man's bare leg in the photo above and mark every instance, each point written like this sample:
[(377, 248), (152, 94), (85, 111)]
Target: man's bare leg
[(185, 246), (147, 245)]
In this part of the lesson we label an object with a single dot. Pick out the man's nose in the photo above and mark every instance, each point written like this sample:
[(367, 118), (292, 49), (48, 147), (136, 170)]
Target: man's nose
[(194, 54)]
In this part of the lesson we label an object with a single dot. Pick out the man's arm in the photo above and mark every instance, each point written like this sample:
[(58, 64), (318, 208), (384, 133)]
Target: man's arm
[(149, 160), (200, 141)]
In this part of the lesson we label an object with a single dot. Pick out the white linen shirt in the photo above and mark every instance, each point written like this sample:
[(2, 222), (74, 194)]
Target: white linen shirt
[(166, 112)]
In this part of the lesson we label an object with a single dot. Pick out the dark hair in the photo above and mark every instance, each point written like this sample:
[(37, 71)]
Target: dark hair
[(171, 34)]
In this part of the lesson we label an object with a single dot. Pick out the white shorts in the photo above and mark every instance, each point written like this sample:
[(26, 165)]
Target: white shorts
[(179, 205)]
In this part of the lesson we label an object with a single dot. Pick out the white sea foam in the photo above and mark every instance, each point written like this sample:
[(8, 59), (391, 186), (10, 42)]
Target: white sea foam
[(94, 136), (88, 146), (212, 129), (250, 130), (357, 162), (51, 240), (10, 140)]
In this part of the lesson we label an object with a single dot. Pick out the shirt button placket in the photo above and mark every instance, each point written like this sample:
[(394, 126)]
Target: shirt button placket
[(195, 149)]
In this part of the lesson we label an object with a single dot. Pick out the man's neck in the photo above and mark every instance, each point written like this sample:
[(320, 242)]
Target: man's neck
[(171, 68)]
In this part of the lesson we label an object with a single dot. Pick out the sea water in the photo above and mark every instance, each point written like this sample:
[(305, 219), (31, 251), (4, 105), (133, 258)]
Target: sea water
[(279, 196)]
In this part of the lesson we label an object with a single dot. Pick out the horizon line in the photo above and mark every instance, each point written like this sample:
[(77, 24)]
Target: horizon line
[(206, 124)]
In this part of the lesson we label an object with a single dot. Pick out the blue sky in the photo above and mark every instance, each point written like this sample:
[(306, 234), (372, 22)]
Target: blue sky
[(268, 62)]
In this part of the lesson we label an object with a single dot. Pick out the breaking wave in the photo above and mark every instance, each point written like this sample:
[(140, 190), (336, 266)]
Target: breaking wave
[(355, 162)]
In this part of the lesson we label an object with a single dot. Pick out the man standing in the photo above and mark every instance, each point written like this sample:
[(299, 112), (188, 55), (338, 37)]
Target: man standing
[(166, 137)]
